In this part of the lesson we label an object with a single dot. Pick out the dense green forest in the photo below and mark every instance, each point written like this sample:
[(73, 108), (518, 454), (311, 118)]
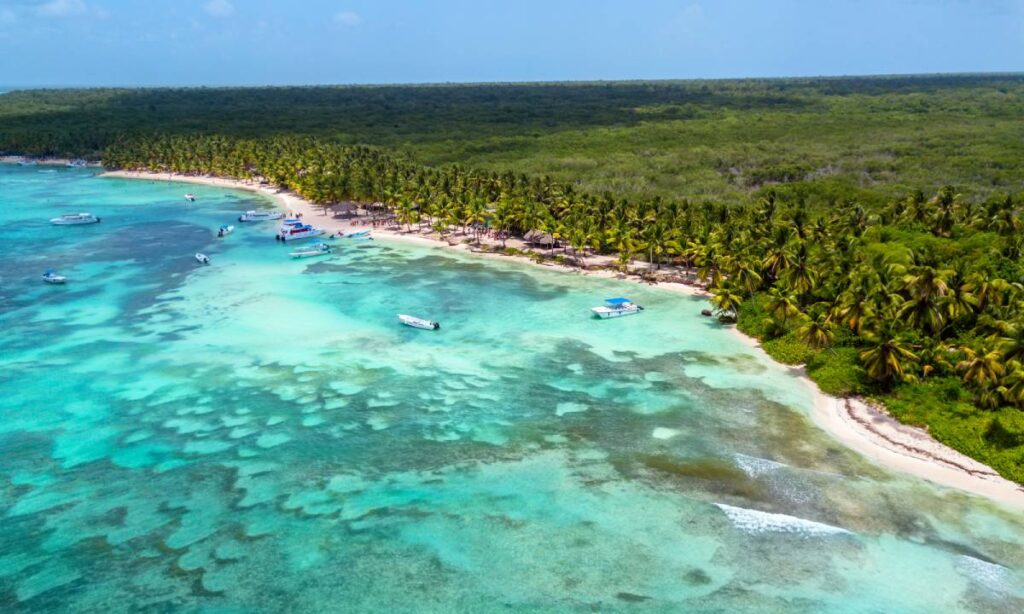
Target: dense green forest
[(825, 139), (887, 284)]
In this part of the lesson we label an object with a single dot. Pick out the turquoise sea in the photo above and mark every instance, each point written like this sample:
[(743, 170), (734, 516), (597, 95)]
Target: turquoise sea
[(261, 435)]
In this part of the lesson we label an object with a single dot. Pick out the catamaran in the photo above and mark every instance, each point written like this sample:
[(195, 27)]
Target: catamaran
[(259, 216), (616, 308), (317, 249), (418, 322), (51, 277), (74, 219), (293, 232), (225, 230)]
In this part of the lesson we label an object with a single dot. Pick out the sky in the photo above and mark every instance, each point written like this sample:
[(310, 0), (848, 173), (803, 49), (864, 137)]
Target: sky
[(282, 42)]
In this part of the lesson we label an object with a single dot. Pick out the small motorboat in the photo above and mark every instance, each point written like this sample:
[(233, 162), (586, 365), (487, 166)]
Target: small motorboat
[(317, 249), (202, 258), (74, 219), (259, 216), (26, 162), (418, 322), (51, 277), (225, 230), (77, 163), (616, 308), (362, 234), (291, 231), (190, 197)]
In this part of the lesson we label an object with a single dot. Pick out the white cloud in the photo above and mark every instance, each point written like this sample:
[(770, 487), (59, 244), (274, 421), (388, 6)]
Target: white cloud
[(219, 8), (348, 18), (62, 8)]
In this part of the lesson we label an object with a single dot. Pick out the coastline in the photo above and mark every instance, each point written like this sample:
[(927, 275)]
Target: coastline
[(854, 423), (44, 161)]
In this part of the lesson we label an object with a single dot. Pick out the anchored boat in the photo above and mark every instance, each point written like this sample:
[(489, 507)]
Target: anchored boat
[(74, 219), (190, 198), (362, 234), (418, 322), (318, 249), (293, 232), (225, 230), (259, 216), (51, 277), (616, 307), (202, 258)]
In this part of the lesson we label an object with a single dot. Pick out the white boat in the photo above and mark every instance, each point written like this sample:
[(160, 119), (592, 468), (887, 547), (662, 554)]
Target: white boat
[(74, 219), (259, 216), (26, 162), (418, 322), (190, 198), (362, 234), (225, 230), (616, 308), (79, 163), (299, 231), (51, 277), (318, 249), (202, 258)]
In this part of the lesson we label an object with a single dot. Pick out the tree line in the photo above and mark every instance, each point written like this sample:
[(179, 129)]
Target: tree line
[(926, 288)]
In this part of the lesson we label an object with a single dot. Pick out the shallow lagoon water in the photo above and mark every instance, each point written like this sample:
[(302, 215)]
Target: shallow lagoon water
[(261, 435)]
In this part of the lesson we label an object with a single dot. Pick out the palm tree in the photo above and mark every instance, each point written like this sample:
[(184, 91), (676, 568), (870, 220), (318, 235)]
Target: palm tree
[(924, 290), (1011, 388), (815, 332), (782, 305), (726, 301), (887, 358), (982, 368)]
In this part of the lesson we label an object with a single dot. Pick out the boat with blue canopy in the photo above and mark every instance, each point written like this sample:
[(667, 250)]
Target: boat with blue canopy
[(616, 307), (52, 277)]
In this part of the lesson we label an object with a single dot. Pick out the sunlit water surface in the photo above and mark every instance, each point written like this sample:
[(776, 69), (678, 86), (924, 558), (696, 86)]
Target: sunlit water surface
[(261, 435)]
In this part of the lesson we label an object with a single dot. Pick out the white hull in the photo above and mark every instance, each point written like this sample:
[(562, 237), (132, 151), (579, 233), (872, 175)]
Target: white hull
[(202, 259), (75, 220), (225, 231), (418, 322), (604, 313), (259, 216), (54, 279), (616, 308), (305, 234), (310, 253)]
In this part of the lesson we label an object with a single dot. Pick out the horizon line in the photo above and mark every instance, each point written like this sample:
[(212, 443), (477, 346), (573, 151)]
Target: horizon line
[(7, 88)]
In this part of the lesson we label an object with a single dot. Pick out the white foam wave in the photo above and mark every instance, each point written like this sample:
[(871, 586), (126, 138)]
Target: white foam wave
[(990, 575), (756, 467), (754, 521)]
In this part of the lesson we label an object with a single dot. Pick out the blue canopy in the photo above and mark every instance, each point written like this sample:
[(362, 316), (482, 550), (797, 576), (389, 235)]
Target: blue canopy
[(617, 301)]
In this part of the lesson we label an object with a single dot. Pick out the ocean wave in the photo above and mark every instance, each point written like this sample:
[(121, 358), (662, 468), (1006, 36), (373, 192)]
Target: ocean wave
[(756, 467), (991, 575), (754, 521)]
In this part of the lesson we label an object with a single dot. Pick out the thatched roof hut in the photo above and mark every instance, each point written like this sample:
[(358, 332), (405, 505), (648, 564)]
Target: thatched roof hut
[(537, 237)]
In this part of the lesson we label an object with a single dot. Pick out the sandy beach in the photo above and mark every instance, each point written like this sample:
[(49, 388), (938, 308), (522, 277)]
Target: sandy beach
[(853, 422)]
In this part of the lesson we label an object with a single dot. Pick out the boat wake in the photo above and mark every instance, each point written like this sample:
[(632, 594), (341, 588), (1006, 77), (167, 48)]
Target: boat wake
[(757, 522)]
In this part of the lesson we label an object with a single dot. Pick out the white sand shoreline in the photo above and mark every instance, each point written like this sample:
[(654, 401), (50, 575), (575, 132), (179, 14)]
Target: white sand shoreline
[(853, 422), (43, 161)]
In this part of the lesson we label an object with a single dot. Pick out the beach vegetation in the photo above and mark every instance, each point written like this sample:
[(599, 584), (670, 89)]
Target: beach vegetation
[(870, 229)]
